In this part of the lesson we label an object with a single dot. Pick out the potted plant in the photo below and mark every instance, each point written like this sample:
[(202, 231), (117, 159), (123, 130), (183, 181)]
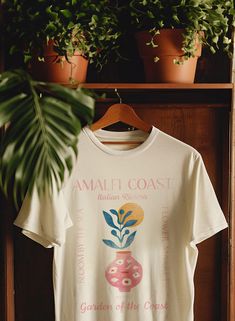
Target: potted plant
[(171, 33), (42, 122), (63, 35)]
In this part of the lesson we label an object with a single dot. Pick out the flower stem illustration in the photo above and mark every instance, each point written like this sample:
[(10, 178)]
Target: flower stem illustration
[(121, 221), (121, 229)]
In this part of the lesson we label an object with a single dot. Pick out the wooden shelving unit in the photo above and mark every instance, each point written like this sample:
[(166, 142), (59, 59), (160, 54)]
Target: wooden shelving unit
[(203, 114)]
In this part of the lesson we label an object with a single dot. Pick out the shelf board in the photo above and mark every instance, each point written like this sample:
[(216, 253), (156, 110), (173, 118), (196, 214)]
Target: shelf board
[(208, 95), (156, 86)]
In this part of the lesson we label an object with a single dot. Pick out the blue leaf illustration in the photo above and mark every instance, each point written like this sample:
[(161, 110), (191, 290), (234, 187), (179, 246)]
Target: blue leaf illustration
[(129, 240), (129, 223), (114, 212), (111, 244), (126, 216), (109, 220)]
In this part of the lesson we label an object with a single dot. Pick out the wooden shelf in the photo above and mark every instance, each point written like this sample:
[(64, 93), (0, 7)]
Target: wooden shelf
[(156, 86), (208, 95)]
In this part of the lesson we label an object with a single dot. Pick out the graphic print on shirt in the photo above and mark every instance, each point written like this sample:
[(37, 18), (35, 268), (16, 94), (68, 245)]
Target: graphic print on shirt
[(124, 272)]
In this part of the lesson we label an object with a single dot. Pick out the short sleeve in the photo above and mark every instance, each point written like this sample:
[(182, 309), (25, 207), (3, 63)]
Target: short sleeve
[(44, 219), (207, 216)]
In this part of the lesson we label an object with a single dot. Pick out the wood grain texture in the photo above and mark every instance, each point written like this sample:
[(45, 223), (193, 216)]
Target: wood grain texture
[(232, 213), (162, 86), (7, 303), (34, 299), (232, 198)]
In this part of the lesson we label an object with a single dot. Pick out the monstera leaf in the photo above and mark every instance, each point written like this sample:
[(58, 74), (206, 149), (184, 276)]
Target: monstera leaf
[(42, 122)]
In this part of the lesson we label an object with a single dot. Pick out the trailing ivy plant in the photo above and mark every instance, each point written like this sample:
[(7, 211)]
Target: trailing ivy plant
[(88, 27), (42, 123), (212, 17)]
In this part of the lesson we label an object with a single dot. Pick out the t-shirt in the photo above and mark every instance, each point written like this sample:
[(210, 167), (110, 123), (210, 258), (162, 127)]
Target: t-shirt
[(125, 227)]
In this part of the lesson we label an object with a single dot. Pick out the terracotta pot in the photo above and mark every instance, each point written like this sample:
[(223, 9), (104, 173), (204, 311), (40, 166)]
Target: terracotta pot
[(169, 48), (57, 69), (124, 272)]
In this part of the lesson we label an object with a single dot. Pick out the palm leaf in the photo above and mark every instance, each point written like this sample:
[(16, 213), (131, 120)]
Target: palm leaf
[(43, 120)]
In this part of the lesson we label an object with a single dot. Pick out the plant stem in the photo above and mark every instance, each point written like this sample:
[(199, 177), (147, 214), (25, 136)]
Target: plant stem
[(120, 234)]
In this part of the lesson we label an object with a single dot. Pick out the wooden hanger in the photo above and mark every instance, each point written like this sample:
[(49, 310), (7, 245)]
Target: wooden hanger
[(121, 113)]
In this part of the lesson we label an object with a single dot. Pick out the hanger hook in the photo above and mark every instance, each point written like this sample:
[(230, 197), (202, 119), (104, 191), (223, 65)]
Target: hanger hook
[(117, 93)]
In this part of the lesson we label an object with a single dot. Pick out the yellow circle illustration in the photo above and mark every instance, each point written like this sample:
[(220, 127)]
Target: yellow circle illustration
[(137, 213)]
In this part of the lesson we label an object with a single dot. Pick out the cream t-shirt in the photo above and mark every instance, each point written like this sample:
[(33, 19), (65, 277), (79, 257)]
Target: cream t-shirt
[(125, 228)]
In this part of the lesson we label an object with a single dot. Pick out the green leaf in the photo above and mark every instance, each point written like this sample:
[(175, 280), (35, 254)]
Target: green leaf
[(40, 142), (82, 104), (66, 13), (5, 107)]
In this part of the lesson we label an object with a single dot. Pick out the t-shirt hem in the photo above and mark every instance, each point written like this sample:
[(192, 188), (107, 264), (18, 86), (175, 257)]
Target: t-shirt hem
[(210, 232)]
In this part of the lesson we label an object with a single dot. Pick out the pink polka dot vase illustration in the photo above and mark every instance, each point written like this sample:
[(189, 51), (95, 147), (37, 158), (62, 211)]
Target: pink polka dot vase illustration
[(124, 272)]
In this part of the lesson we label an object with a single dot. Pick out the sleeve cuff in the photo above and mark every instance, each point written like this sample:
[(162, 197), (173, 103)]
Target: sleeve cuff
[(39, 237), (208, 233)]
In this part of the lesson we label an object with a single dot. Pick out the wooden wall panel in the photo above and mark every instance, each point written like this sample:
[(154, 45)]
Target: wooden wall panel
[(6, 261), (232, 227), (34, 299)]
